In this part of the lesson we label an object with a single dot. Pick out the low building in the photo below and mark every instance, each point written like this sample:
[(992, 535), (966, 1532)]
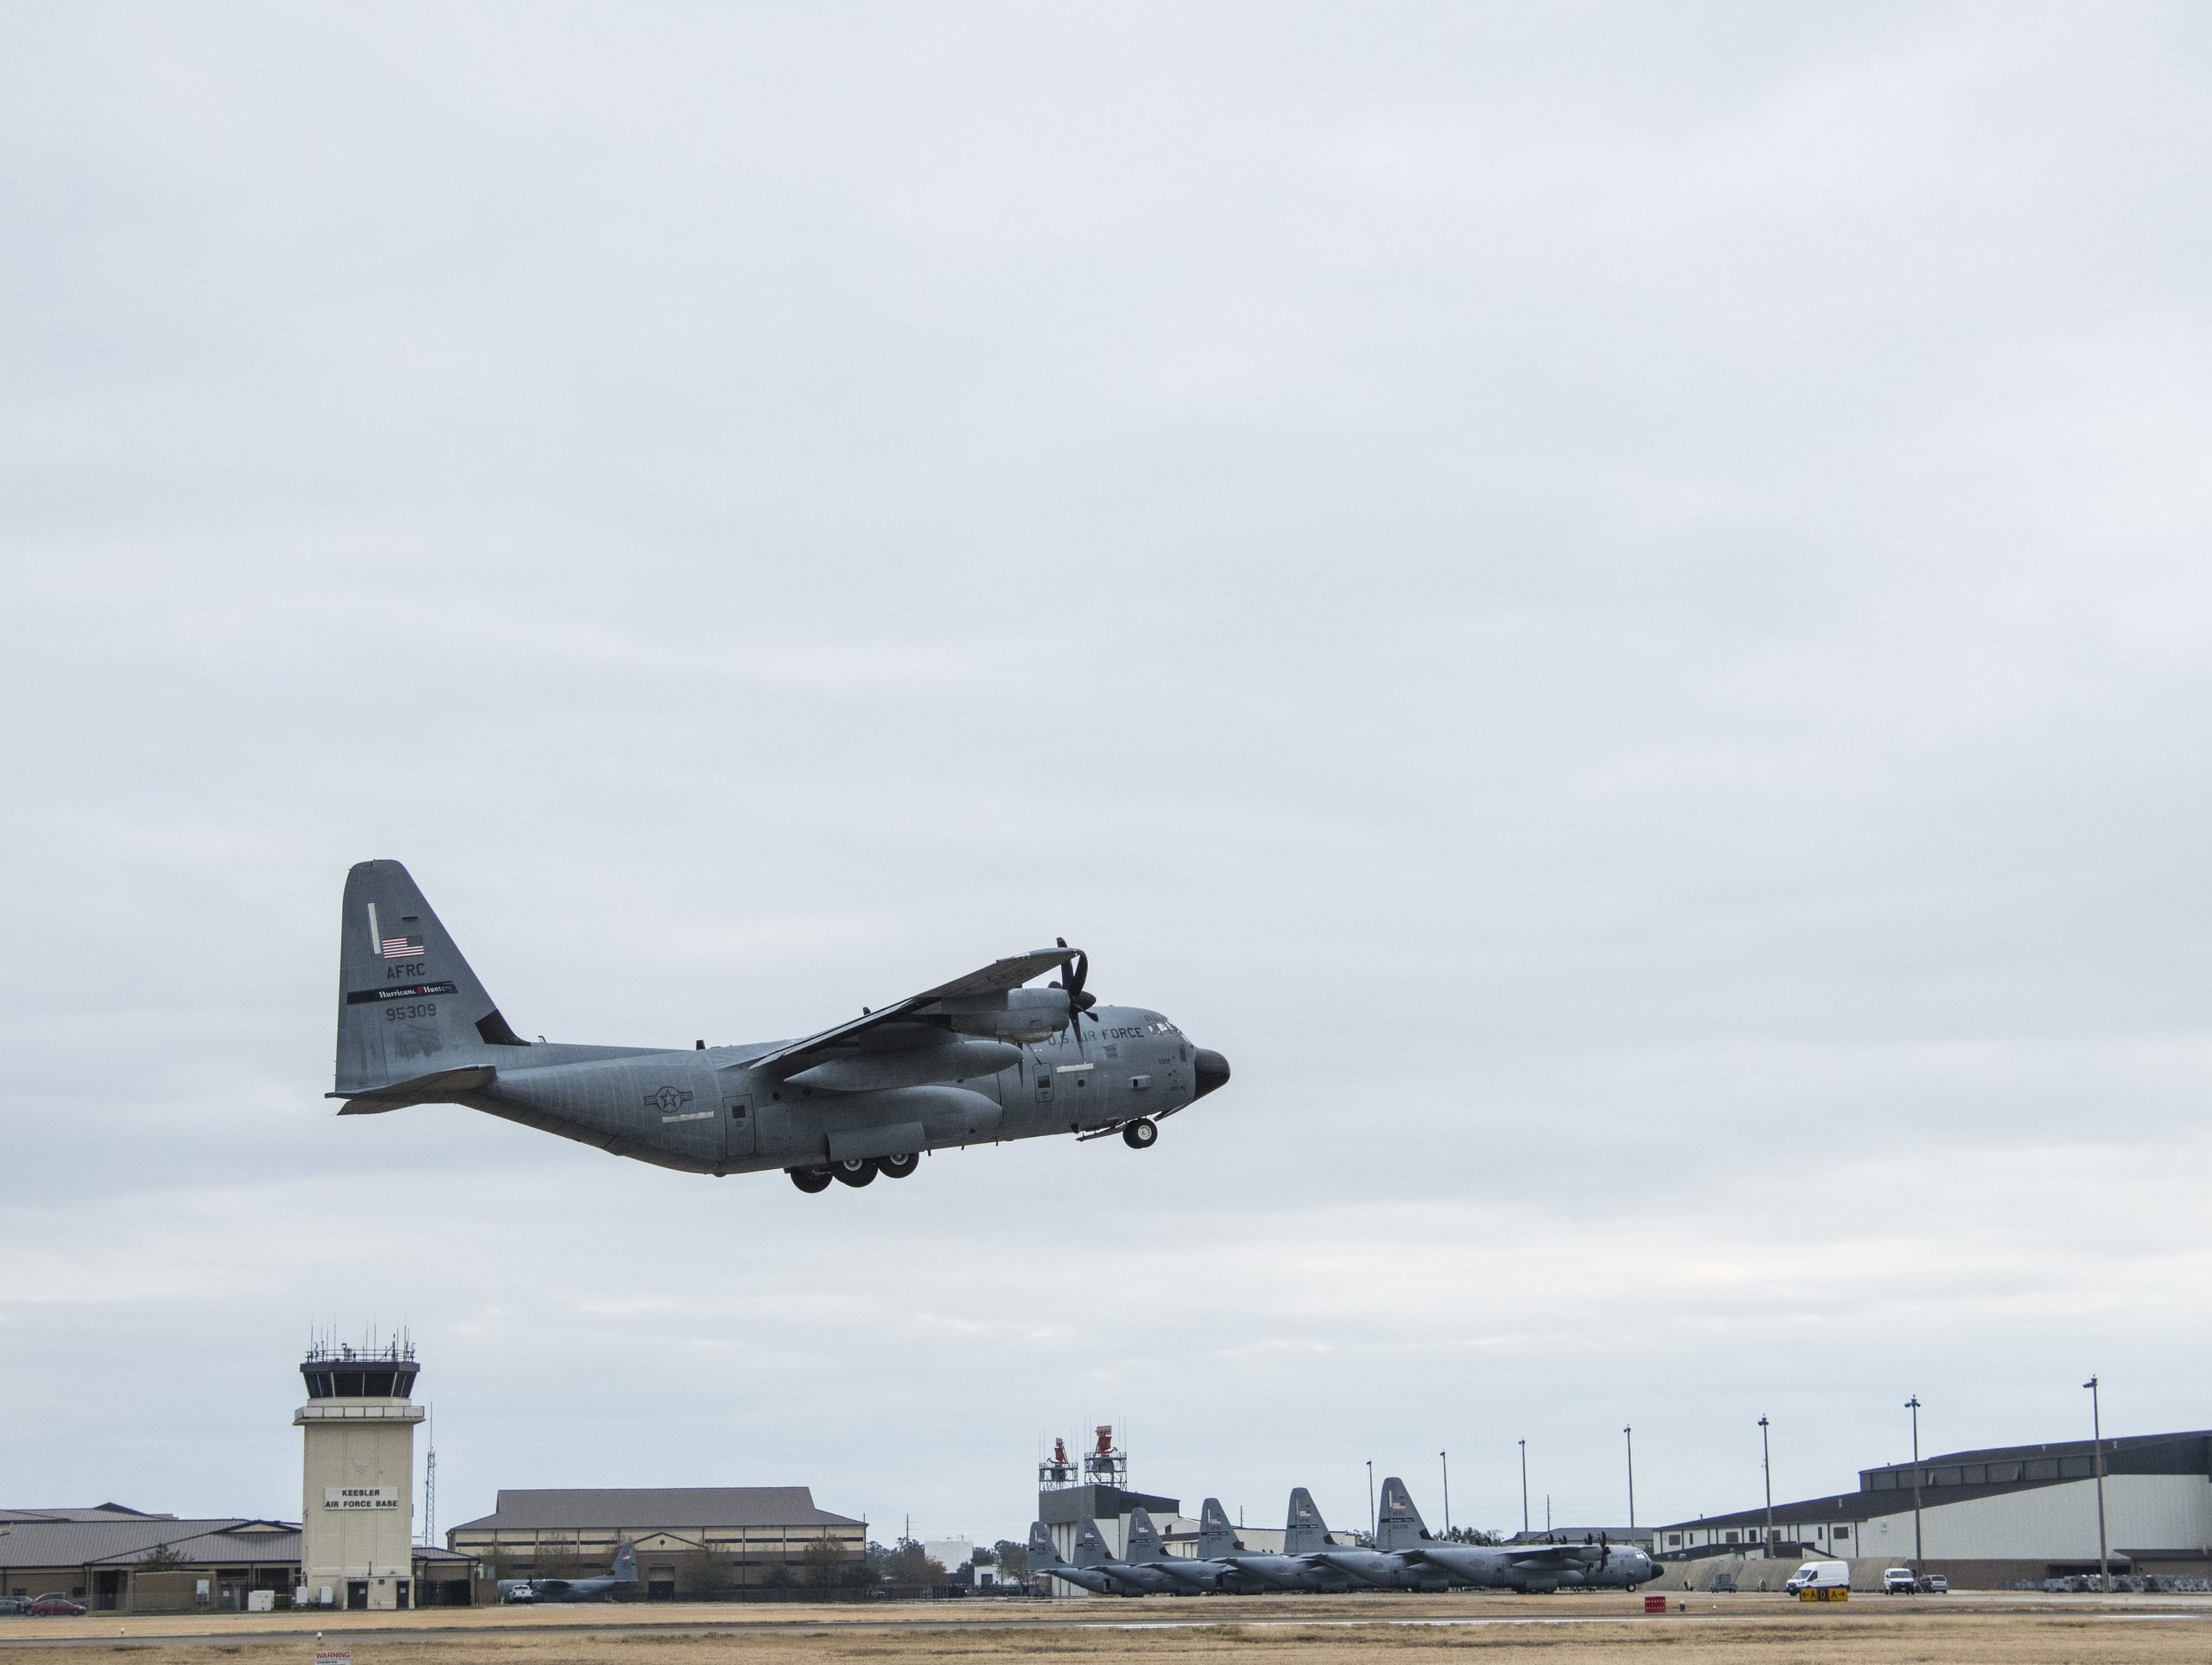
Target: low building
[(118, 1560), (697, 1542), (950, 1553), (1988, 1517)]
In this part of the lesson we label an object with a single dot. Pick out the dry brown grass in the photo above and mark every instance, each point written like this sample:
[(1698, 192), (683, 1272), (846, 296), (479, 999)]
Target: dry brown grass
[(1265, 1632)]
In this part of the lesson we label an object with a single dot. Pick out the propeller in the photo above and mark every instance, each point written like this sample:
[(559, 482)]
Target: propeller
[(1074, 970)]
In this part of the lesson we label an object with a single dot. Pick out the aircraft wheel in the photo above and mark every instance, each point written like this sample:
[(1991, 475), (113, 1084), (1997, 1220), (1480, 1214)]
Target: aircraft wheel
[(809, 1179), (898, 1168), (1140, 1135), (857, 1171)]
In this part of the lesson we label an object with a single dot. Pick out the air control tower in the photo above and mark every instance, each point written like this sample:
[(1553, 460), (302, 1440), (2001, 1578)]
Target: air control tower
[(357, 1509)]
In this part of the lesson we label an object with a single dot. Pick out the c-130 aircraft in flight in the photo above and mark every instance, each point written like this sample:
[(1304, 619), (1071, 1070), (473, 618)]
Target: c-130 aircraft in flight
[(977, 1060)]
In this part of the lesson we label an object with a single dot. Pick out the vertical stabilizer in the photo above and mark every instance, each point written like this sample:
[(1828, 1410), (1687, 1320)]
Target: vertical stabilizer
[(1399, 1524), (1304, 1531), (1144, 1547), (408, 1004), (1090, 1544), (1042, 1555), (1216, 1537), (626, 1562)]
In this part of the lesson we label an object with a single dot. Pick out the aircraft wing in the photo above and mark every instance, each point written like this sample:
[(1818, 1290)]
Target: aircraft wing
[(994, 978)]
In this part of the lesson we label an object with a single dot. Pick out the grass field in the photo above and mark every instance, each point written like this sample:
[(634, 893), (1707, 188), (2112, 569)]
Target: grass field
[(2002, 1630)]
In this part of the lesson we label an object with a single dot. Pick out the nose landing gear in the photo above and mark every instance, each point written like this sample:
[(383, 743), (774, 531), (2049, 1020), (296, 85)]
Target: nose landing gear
[(809, 1179), (1141, 1134)]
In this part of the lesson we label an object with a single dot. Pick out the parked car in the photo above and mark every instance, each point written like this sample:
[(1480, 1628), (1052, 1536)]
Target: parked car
[(57, 1607), (1898, 1581), (1724, 1584), (1935, 1585), (15, 1604)]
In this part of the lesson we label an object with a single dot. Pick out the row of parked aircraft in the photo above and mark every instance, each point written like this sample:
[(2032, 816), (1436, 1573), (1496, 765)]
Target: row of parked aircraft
[(1404, 1557)]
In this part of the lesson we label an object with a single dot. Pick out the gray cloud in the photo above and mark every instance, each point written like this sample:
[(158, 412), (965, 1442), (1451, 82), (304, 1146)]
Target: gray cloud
[(1610, 602)]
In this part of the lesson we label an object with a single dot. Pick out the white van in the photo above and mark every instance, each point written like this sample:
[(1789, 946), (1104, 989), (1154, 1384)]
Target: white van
[(1821, 1581)]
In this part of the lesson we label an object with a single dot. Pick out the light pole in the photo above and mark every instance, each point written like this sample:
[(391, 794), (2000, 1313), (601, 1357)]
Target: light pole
[(1524, 1487), (1444, 1457), (1629, 1434), (2097, 1449), (1913, 1405), (1766, 1467), (1371, 1501)]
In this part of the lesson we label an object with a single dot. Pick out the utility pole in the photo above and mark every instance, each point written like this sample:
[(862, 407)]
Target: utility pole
[(1629, 1434), (1444, 1457), (1370, 1502), (1766, 1467), (430, 1477), (1913, 1405), (1524, 1487), (2097, 1448)]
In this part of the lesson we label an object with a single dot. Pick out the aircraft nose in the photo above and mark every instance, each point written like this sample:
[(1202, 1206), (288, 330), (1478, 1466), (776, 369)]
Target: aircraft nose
[(1213, 1070)]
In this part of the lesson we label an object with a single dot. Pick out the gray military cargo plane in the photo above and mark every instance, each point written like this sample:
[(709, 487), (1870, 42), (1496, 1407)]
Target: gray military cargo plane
[(1094, 1568), (1536, 1569), (1206, 1574), (620, 1580), (977, 1060), (1138, 1572), (1305, 1536), (1387, 1565)]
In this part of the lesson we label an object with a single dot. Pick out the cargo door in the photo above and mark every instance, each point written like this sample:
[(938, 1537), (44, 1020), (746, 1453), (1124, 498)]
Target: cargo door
[(740, 1130)]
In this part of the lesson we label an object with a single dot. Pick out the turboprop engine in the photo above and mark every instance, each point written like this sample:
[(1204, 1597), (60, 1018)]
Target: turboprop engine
[(1023, 1016)]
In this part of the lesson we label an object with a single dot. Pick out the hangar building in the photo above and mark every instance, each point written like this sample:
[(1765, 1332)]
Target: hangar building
[(119, 1560), (691, 1541), (1988, 1517)]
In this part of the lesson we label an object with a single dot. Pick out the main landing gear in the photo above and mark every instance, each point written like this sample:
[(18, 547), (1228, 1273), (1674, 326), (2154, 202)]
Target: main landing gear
[(1141, 1134), (856, 1171)]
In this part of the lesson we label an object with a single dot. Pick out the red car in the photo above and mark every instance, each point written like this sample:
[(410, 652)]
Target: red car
[(57, 1607)]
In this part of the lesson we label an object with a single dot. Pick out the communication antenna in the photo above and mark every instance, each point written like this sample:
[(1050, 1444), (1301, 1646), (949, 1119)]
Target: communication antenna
[(1106, 1463), (1056, 1473)]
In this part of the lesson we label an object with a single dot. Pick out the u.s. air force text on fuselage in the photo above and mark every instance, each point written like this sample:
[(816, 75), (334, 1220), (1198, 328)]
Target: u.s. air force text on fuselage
[(977, 1060)]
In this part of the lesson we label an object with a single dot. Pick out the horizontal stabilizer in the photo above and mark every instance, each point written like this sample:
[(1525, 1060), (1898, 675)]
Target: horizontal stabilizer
[(438, 1088)]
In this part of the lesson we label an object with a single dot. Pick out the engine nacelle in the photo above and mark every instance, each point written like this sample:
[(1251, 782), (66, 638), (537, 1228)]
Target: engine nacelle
[(912, 1066), (1021, 1015)]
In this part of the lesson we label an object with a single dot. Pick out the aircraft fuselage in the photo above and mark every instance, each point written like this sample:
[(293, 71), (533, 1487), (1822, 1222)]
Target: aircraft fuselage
[(705, 1111)]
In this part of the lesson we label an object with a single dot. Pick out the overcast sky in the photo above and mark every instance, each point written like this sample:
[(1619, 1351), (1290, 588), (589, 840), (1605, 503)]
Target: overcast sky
[(1612, 601)]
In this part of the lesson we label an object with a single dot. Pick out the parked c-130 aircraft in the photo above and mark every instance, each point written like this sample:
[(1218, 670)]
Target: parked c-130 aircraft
[(977, 1060)]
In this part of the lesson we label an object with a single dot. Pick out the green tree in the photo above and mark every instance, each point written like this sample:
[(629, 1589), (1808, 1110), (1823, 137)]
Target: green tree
[(910, 1564), (1013, 1558), (821, 1563)]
